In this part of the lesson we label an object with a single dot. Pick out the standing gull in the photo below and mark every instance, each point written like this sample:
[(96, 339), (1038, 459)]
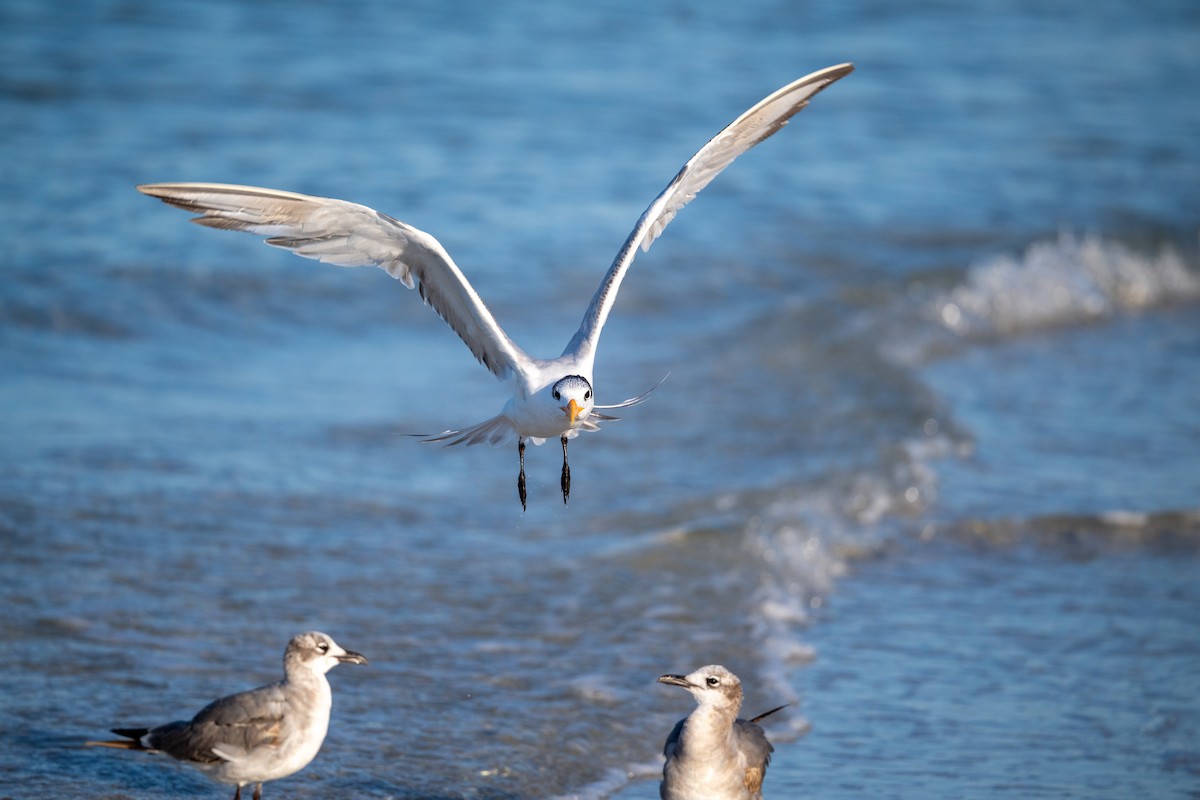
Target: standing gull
[(711, 754), (551, 397), (258, 735)]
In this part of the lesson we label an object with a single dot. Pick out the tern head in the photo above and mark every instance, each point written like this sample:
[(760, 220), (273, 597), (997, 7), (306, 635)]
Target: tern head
[(712, 686), (317, 652), (573, 394)]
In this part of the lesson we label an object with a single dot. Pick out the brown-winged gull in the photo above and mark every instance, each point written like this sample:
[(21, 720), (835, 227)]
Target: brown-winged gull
[(259, 735), (711, 754)]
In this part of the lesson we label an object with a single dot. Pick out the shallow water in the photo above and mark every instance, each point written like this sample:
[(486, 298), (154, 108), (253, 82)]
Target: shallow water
[(1050, 659), (925, 465)]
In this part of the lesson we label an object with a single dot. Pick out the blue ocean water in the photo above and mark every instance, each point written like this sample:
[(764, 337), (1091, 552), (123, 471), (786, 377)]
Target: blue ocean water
[(925, 465)]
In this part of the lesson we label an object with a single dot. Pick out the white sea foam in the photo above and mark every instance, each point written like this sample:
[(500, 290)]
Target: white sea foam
[(613, 780), (1069, 280), (808, 541)]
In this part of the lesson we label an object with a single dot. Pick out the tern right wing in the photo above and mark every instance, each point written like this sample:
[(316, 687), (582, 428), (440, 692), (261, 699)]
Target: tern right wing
[(351, 235), (763, 119)]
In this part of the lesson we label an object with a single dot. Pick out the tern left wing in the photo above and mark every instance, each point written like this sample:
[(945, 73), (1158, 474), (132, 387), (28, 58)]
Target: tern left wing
[(761, 121), (352, 235)]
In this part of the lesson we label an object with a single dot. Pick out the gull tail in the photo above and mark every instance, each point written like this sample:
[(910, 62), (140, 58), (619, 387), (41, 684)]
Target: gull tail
[(766, 714), (132, 740), (496, 430)]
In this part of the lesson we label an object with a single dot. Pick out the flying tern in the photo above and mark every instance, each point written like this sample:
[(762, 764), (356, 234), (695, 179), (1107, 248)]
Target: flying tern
[(551, 397)]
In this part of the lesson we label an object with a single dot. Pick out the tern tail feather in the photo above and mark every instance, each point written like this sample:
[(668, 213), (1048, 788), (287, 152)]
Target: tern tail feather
[(496, 430)]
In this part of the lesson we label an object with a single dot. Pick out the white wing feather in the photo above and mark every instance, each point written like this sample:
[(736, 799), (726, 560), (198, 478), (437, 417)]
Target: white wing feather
[(351, 235), (759, 122)]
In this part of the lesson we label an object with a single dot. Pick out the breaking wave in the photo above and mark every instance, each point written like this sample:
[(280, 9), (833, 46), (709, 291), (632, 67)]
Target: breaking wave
[(1070, 280)]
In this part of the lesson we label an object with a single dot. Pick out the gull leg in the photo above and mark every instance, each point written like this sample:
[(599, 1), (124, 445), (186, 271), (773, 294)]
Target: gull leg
[(565, 481), (521, 475)]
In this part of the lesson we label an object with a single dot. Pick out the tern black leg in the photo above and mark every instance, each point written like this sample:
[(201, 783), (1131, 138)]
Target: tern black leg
[(521, 474), (237, 793), (257, 791), (565, 482)]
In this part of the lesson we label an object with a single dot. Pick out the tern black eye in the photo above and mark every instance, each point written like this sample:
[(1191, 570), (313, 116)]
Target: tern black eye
[(323, 647), (557, 396), (713, 681), (587, 395)]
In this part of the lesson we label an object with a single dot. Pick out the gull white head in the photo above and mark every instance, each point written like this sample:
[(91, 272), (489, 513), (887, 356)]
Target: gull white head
[(573, 394), (318, 653), (712, 686)]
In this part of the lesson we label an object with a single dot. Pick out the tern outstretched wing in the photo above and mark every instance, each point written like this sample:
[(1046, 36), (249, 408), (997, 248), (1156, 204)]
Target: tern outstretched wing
[(351, 235), (759, 122)]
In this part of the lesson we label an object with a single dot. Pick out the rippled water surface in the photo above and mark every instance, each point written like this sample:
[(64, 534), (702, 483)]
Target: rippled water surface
[(925, 465)]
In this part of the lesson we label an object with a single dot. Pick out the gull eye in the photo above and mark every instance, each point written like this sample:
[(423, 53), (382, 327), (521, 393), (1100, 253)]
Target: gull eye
[(712, 680)]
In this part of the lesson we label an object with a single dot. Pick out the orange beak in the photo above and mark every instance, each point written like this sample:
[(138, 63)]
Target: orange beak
[(572, 410)]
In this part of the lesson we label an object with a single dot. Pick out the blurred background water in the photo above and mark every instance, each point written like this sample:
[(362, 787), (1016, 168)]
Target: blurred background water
[(927, 465)]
